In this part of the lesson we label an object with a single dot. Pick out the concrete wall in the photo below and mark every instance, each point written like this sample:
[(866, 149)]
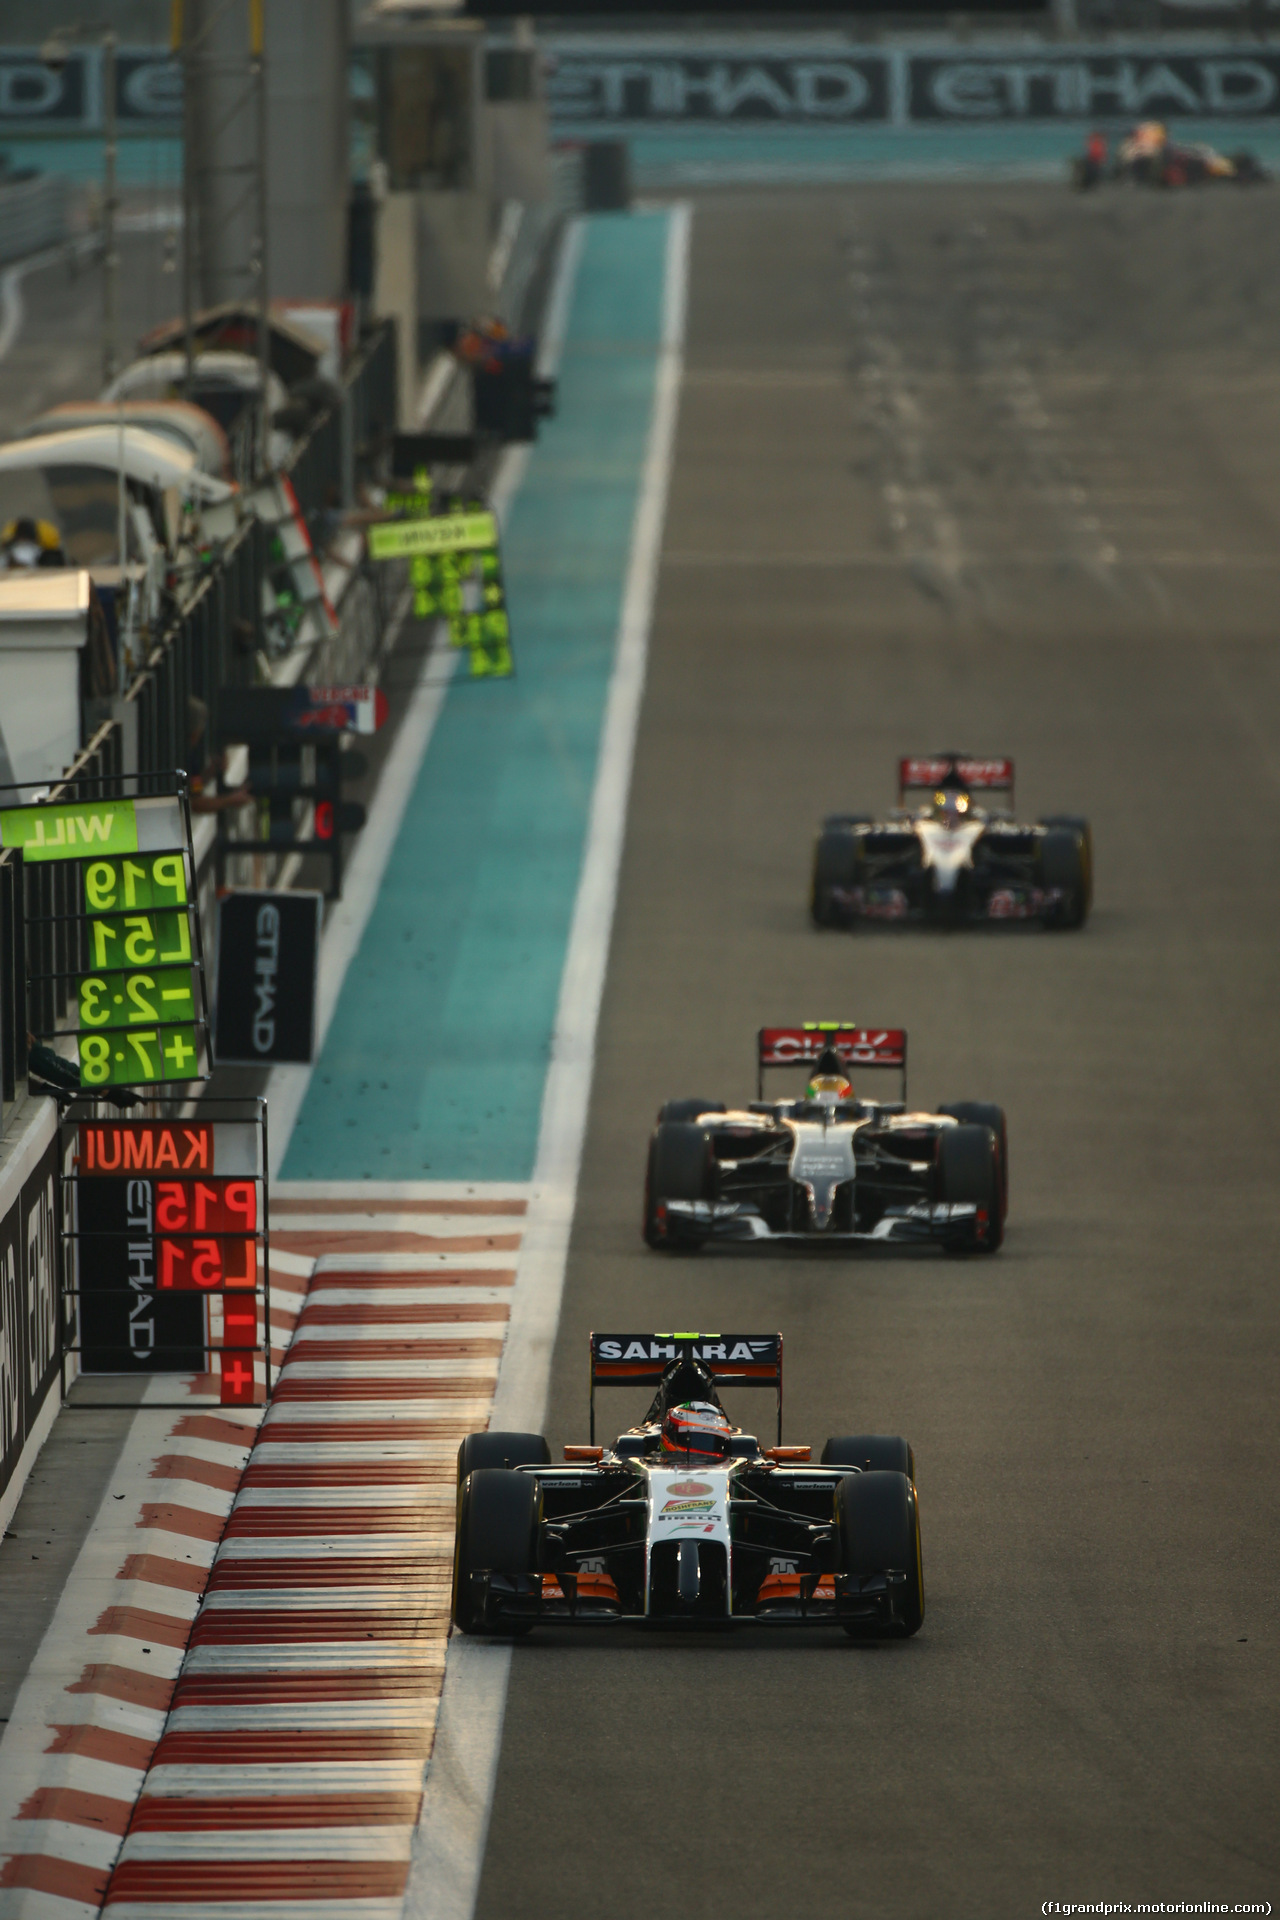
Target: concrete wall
[(520, 158), (395, 291), (307, 148), (307, 141), (223, 116), (454, 235), (29, 1391)]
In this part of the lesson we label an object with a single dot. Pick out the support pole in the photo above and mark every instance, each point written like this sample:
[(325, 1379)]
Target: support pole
[(110, 252), (181, 45), (258, 56)]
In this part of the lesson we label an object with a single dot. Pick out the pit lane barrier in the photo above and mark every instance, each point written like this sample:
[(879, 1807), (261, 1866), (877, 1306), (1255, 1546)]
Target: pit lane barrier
[(209, 643)]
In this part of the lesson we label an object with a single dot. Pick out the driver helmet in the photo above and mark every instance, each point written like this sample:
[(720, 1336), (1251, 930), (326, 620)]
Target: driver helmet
[(22, 543), (950, 807), (696, 1427), (829, 1083)]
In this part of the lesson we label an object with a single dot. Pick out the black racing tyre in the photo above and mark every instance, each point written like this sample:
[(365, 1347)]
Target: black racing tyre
[(870, 1453), (680, 1168), (501, 1450), (836, 864), (498, 1524), (688, 1109), (1064, 862), (1076, 823), (1249, 171), (969, 1172), (983, 1113), (847, 820), (878, 1531)]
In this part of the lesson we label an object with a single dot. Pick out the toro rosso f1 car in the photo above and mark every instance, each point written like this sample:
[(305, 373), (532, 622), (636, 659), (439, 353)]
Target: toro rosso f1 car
[(686, 1521), (952, 859), (827, 1167)]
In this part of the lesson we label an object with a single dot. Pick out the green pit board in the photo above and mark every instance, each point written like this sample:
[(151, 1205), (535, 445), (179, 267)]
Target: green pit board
[(455, 571), (133, 983)]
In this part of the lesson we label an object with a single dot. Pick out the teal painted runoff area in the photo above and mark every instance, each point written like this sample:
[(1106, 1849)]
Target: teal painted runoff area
[(435, 1061), (710, 153), (752, 155)]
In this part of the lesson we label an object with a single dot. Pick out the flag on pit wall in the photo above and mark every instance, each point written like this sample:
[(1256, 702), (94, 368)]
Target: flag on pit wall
[(236, 1379)]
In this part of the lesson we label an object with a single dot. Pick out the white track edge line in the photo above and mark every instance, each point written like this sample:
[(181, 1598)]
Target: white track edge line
[(453, 1830)]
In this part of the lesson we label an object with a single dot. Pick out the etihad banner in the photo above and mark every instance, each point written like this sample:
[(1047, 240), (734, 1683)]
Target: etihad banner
[(618, 80), (68, 98), (1128, 86), (608, 87), (807, 87)]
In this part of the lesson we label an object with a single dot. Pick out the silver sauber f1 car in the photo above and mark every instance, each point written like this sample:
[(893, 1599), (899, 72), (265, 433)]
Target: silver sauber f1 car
[(686, 1521), (827, 1167), (951, 859)]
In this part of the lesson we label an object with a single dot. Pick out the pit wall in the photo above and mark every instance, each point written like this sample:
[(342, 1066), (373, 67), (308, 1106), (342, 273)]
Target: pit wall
[(29, 1257)]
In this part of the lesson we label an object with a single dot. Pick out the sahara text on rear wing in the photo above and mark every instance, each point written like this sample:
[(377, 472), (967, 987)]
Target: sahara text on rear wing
[(641, 1359)]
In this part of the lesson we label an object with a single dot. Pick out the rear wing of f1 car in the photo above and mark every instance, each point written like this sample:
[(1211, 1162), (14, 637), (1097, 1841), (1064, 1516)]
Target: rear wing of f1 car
[(940, 769), (857, 1046), (641, 1360)]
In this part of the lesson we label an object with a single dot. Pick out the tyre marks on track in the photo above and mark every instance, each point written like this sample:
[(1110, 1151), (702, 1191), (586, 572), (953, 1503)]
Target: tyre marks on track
[(924, 528), (987, 272), (993, 383), (288, 1776)]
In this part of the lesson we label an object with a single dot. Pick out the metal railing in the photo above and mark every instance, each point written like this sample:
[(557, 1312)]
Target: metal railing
[(210, 643), (371, 392), (35, 211), (323, 467), (13, 986)]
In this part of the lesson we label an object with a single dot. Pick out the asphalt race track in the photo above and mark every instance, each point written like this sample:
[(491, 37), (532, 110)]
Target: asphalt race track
[(992, 468)]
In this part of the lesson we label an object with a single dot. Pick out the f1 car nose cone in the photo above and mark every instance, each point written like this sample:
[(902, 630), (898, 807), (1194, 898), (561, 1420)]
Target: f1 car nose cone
[(688, 1573), (822, 1196), (947, 850), (822, 1159)]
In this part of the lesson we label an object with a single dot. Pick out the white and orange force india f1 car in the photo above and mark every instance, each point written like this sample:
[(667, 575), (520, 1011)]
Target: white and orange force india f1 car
[(731, 1534), (828, 1167), (952, 858)]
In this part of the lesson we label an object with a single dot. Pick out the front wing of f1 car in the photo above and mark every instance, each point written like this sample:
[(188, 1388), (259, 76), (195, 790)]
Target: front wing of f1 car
[(974, 866), (806, 1172), (629, 1535)]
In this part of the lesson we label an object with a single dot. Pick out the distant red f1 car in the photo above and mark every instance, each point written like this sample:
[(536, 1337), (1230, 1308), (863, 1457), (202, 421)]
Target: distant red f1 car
[(1150, 158)]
